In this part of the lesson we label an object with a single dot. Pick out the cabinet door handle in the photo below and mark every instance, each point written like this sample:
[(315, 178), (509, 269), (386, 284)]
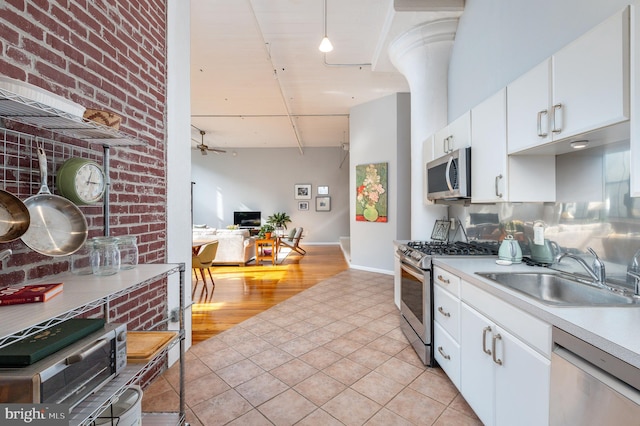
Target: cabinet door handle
[(540, 114), (556, 128), (493, 347), (443, 280), (442, 311), (449, 139), (498, 194), (444, 355), (444, 145), (484, 340)]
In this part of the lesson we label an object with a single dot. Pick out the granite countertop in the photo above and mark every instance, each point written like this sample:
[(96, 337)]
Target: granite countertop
[(615, 330)]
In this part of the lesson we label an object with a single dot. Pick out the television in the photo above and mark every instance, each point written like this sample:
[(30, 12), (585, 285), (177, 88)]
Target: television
[(247, 219)]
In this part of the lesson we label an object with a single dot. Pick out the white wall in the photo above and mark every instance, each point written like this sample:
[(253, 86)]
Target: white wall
[(264, 179), (178, 156), (499, 40), (380, 133)]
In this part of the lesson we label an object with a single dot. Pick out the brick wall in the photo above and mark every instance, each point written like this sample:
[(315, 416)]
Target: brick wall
[(104, 54)]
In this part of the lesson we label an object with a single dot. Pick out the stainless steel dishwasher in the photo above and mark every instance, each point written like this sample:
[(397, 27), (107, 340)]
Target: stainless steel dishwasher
[(591, 387)]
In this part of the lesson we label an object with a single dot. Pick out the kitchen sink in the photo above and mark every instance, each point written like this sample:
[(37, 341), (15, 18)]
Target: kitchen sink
[(560, 289)]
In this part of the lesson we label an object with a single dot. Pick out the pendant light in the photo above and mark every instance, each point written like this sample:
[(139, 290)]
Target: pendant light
[(325, 44)]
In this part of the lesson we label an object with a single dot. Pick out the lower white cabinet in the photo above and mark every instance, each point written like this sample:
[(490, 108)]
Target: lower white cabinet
[(504, 380)]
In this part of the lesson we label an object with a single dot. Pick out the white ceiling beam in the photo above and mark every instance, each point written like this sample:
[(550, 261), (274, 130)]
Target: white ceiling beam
[(428, 5)]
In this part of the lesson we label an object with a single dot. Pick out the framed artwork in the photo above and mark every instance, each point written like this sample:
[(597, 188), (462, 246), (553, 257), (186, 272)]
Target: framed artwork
[(302, 191), (303, 205), (323, 204), (371, 192), (323, 190)]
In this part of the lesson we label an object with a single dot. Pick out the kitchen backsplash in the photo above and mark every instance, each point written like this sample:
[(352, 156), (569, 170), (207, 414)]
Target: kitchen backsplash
[(610, 223)]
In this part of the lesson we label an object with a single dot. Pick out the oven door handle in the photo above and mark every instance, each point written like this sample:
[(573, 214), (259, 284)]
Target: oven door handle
[(82, 355), (413, 271)]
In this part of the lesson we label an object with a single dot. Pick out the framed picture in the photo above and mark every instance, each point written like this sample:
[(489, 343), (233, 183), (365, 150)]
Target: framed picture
[(323, 204), (323, 190), (371, 192), (303, 205), (302, 191)]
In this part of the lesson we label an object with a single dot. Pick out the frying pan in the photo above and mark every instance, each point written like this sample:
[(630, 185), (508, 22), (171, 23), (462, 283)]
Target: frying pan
[(14, 217), (58, 227)]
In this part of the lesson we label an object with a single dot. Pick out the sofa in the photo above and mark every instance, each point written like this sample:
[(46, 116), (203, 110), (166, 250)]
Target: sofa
[(235, 246)]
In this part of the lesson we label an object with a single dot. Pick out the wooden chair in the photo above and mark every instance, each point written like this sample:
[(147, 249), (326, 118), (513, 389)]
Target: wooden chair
[(203, 262), (293, 242)]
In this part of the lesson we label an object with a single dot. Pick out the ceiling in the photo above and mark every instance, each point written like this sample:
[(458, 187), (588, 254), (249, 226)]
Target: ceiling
[(258, 79)]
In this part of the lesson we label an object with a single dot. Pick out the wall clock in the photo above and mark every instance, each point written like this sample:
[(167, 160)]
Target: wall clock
[(81, 181)]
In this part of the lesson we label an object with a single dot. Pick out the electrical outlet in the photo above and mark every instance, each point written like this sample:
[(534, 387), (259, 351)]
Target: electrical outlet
[(174, 315), (453, 224)]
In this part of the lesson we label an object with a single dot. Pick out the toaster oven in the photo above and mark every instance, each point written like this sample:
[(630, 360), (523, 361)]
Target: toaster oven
[(70, 374)]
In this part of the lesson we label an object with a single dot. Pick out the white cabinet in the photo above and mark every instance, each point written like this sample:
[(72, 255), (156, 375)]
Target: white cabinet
[(446, 328), (427, 155), (503, 379), (504, 360), (454, 136), (397, 277), (497, 177), (634, 157), (583, 87)]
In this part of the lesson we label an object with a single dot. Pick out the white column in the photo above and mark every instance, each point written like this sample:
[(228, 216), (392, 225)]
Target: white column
[(422, 56)]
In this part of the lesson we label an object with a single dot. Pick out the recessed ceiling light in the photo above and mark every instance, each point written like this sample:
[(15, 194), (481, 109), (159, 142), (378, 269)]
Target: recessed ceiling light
[(579, 144)]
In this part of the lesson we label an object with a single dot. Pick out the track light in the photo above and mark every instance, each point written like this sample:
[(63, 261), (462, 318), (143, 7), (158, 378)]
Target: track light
[(325, 44)]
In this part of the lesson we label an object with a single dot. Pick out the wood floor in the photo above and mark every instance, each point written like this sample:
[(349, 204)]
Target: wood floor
[(242, 292)]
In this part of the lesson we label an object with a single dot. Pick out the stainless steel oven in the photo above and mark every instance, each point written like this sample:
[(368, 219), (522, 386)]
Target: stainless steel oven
[(416, 286), (416, 295)]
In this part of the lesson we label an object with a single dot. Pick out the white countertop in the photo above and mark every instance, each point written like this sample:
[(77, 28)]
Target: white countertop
[(615, 330)]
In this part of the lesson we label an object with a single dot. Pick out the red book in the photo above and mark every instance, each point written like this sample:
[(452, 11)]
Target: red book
[(29, 293)]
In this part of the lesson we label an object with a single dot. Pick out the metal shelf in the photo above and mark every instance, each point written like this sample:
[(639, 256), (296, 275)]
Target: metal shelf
[(26, 111), (81, 294), (90, 408)]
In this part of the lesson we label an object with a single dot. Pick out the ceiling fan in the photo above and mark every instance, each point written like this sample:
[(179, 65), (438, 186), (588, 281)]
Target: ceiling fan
[(204, 148)]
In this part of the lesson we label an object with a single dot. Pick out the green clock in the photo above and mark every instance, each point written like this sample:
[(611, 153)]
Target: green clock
[(81, 181)]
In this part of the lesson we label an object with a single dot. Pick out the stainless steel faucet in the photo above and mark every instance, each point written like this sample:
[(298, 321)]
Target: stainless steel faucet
[(635, 276), (596, 271), (633, 273)]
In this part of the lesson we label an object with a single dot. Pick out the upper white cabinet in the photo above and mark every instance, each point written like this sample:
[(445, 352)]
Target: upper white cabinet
[(489, 156), (497, 177), (583, 87), (634, 157), (454, 136)]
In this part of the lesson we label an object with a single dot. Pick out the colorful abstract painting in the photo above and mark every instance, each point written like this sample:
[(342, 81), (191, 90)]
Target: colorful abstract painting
[(371, 192)]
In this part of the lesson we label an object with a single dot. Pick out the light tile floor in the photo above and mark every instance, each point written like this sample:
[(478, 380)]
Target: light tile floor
[(331, 355)]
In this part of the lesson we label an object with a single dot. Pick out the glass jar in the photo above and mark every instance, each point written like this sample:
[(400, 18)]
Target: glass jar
[(81, 260), (128, 247), (105, 256)]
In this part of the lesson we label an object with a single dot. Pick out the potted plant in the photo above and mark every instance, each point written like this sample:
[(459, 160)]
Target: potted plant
[(265, 231), (279, 220)]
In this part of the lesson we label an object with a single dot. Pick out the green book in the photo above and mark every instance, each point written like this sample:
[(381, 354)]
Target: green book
[(34, 348)]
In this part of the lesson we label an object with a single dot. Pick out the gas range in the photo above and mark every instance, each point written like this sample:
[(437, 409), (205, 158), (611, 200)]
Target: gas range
[(420, 253)]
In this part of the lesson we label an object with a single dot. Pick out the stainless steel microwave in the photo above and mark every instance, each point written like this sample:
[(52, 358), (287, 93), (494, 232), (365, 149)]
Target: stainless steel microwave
[(449, 177)]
